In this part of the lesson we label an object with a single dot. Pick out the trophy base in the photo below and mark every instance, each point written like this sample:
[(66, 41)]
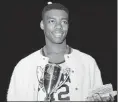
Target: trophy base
[(49, 98)]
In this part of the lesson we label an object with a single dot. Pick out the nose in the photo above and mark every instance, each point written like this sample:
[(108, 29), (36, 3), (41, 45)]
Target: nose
[(59, 26)]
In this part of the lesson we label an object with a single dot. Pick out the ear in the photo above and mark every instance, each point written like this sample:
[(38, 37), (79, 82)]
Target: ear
[(42, 25)]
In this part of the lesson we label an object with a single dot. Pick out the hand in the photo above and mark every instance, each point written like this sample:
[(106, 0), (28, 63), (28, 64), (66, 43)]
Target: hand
[(103, 98)]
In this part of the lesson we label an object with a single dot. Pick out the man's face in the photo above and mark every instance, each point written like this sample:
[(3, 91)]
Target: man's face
[(55, 25)]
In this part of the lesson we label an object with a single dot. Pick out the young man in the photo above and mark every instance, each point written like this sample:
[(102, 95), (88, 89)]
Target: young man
[(79, 71)]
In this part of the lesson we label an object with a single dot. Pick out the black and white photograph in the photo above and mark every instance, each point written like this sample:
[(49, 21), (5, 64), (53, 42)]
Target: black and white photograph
[(58, 50)]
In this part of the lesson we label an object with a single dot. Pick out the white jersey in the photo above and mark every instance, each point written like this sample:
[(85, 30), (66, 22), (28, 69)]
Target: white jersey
[(84, 75)]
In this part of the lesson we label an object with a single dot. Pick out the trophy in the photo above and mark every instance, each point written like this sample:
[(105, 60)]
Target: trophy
[(52, 77)]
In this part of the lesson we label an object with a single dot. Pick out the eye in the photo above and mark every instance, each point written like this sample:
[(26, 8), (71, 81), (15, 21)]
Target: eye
[(65, 22), (51, 21)]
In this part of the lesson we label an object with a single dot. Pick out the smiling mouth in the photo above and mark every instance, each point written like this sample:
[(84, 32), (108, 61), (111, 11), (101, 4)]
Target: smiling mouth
[(58, 34)]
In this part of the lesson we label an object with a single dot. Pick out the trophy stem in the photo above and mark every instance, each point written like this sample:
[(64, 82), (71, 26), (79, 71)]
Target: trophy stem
[(48, 97)]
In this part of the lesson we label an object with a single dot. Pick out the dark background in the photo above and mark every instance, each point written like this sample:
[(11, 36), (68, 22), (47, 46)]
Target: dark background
[(92, 30)]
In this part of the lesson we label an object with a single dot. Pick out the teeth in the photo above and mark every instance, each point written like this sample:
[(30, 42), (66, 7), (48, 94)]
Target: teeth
[(58, 35)]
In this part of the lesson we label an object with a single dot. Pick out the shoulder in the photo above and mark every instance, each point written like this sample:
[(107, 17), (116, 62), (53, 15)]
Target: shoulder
[(31, 57), (85, 60), (82, 56), (28, 61)]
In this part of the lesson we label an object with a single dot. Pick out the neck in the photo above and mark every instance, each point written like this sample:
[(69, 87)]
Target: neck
[(55, 48)]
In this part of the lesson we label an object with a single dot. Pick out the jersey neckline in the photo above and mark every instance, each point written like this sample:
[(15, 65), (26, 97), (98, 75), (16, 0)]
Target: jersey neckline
[(43, 53)]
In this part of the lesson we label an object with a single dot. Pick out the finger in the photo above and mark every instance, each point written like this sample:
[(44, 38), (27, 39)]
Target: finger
[(90, 99), (100, 97), (97, 97), (107, 98), (111, 98)]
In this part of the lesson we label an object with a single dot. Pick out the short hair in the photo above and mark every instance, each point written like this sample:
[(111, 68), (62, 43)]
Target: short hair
[(57, 6)]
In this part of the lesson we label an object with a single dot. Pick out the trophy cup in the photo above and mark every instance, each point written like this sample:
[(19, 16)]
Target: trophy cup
[(52, 76)]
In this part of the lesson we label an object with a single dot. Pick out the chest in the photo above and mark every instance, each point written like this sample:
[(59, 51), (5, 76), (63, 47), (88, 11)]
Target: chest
[(56, 58), (76, 89)]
